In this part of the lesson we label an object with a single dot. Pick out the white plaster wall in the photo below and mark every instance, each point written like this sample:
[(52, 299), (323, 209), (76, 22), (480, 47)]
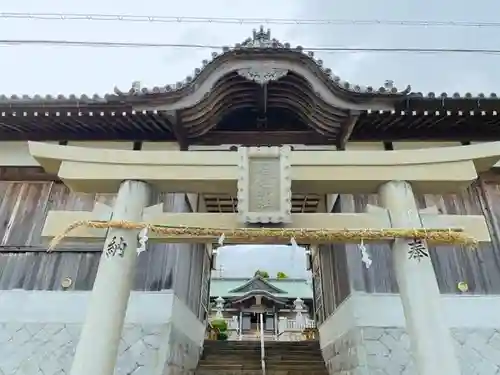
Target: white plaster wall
[(39, 331)]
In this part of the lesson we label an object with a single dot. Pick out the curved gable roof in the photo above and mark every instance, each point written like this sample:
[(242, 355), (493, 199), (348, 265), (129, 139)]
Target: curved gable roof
[(264, 293), (257, 283), (259, 47)]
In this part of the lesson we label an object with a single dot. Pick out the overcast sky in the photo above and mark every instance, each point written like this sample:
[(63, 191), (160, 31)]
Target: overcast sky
[(54, 70), (243, 261)]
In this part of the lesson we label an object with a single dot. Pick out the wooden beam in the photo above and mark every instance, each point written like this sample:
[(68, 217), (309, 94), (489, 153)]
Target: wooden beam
[(263, 137), (262, 101), (25, 174), (346, 130), (475, 225), (179, 131)]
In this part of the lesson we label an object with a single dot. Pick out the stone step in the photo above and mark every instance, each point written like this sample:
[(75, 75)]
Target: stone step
[(244, 358), (308, 344), (258, 358), (259, 372), (266, 348), (252, 342), (272, 347), (238, 358), (258, 367), (270, 361), (227, 366), (295, 353)]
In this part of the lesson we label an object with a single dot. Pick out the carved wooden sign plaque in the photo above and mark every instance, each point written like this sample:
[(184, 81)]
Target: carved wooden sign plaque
[(264, 185)]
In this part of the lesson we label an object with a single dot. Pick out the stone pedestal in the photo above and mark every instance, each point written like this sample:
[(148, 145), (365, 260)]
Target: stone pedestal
[(430, 338), (98, 345)]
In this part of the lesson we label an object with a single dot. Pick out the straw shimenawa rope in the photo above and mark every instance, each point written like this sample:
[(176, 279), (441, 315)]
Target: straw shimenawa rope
[(451, 236)]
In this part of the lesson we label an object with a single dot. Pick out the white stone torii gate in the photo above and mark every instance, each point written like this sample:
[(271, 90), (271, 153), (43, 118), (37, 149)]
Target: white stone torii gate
[(263, 179)]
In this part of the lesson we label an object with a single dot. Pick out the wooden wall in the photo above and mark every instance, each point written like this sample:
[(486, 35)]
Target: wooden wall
[(330, 277), (480, 269), (337, 269), (330, 280), (186, 268), (24, 264)]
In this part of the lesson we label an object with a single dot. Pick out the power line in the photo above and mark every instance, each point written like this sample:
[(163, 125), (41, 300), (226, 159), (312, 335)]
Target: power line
[(241, 21), (106, 44)]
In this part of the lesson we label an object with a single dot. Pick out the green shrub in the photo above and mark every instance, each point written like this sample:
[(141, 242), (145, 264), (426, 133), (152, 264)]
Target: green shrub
[(220, 324), (262, 274), (222, 336)]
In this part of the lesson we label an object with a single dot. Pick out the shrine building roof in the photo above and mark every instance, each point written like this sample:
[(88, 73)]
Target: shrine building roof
[(259, 91), (289, 288)]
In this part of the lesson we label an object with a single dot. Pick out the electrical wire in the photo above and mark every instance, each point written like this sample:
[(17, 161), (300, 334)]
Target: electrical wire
[(106, 44), (241, 21)]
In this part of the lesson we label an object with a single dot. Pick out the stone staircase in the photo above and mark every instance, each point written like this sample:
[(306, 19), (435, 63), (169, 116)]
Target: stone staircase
[(243, 358)]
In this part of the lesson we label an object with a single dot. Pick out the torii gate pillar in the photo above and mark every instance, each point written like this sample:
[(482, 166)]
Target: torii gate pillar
[(430, 337), (97, 347)]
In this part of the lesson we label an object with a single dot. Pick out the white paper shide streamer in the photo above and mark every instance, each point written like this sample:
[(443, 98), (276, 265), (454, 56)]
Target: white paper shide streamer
[(221, 239), (365, 256), (142, 238)]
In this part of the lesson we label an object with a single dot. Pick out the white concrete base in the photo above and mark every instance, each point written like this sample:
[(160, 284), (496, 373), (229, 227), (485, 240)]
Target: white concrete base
[(366, 335), (39, 331)]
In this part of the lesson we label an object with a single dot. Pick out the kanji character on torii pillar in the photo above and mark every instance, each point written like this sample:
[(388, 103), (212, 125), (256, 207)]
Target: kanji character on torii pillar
[(263, 179)]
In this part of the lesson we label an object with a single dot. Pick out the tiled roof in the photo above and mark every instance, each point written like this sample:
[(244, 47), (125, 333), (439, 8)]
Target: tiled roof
[(292, 288), (260, 42)]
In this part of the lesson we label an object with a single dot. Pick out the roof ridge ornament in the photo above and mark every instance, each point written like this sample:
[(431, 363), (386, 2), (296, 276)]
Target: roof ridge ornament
[(136, 87), (262, 74), (261, 39)]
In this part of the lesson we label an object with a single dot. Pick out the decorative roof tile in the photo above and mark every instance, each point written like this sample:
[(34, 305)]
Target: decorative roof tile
[(262, 41)]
